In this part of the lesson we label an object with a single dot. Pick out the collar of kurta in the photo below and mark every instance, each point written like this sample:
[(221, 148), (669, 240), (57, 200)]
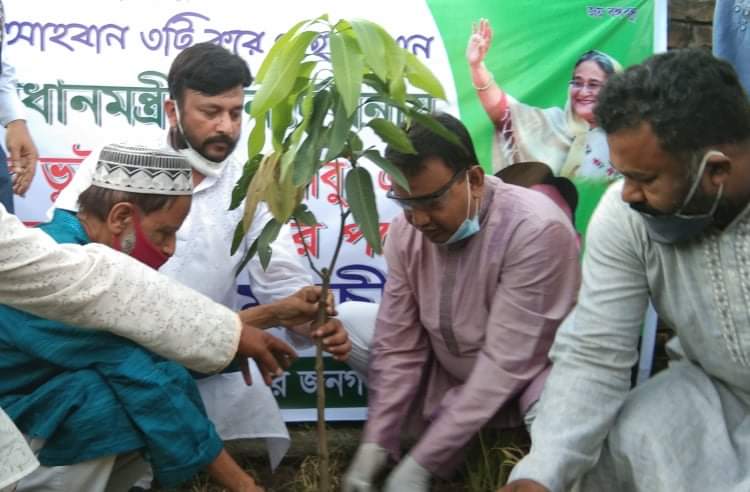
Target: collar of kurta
[(488, 193), (206, 183)]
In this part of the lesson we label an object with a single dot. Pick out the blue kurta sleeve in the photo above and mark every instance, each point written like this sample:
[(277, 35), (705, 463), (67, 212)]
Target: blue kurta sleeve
[(158, 397)]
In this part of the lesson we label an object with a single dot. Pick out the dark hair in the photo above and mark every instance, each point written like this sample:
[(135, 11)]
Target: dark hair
[(691, 99), (601, 59), (98, 201), (429, 144), (206, 68)]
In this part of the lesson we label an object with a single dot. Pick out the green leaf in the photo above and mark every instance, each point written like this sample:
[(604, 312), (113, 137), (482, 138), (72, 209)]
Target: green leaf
[(282, 74), (421, 77), (387, 166), (371, 43), (305, 70), (348, 67), (239, 233), (281, 119), (240, 188), (355, 143), (300, 84), (277, 48), (304, 215), (395, 55), (386, 99), (392, 135), (343, 28), (268, 236), (321, 104), (257, 137), (397, 89), (376, 83), (361, 198), (305, 162), (306, 106), (287, 160), (340, 127), (435, 126), (248, 256), (324, 83), (308, 156)]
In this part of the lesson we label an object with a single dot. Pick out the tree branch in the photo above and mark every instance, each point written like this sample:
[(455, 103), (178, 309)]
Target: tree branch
[(307, 251)]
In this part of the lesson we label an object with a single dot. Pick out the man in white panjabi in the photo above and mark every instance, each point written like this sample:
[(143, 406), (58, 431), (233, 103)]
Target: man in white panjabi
[(676, 230), (206, 84)]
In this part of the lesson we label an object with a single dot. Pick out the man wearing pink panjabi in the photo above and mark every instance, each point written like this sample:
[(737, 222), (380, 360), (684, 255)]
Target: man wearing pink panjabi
[(480, 275)]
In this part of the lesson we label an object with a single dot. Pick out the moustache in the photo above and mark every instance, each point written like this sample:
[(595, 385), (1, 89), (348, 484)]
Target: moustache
[(644, 208), (225, 139)]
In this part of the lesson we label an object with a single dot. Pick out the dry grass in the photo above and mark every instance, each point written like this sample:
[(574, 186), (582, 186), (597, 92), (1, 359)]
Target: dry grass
[(489, 460), (492, 458)]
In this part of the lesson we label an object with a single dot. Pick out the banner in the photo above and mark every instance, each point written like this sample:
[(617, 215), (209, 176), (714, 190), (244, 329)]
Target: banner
[(92, 73)]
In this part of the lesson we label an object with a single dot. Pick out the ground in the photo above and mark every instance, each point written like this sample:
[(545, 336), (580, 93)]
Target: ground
[(486, 467)]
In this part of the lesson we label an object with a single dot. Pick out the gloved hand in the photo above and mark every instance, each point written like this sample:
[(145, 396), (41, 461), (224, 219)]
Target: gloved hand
[(408, 476), (368, 461)]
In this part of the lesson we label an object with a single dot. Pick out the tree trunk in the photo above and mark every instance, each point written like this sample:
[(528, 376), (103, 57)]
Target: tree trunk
[(323, 464)]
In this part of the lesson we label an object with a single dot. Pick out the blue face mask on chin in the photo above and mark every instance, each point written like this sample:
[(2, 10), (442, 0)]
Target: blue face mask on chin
[(470, 225), (678, 227)]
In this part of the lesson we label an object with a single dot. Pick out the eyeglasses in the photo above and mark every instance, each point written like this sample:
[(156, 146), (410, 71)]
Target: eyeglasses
[(427, 201), (592, 85)]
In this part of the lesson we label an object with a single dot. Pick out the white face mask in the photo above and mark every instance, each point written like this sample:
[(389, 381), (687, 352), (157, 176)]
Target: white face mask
[(198, 161)]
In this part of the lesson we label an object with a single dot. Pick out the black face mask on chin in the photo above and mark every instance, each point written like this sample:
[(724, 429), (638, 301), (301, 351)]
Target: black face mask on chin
[(678, 227)]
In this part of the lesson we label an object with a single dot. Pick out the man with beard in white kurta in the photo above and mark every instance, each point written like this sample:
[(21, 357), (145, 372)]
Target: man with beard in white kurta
[(676, 230), (205, 111)]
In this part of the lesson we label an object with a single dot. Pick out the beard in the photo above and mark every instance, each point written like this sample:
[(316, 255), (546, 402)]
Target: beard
[(645, 208), (182, 141), (700, 204)]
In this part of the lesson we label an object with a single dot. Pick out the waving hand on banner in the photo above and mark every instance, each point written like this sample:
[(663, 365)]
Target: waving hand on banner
[(479, 42)]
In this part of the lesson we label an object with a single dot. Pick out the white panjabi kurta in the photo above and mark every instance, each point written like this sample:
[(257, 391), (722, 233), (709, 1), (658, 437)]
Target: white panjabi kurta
[(687, 429), (16, 458), (202, 261)]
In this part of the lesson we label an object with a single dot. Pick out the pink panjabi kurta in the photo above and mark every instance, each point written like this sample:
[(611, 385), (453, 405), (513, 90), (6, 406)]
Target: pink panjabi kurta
[(463, 331)]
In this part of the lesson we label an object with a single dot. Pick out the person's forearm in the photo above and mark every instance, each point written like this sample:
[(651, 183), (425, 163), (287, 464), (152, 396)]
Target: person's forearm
[(97, 287), (229, 474), (569, 430), (493, 99), (467, 408), (262, 316)]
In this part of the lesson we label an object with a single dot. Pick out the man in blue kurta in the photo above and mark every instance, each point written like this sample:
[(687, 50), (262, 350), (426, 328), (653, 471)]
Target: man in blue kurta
[(95, 400)]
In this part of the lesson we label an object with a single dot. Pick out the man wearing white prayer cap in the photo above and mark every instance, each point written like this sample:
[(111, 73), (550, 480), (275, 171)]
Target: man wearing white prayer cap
[(94, 405)]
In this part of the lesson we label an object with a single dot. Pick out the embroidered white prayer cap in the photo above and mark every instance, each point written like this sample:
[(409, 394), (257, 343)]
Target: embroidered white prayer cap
[(138, 169)]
